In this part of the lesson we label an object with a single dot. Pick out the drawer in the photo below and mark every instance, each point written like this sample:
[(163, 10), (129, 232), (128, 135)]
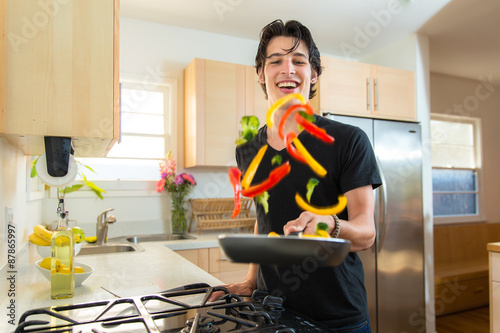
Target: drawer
[(495, 266), (458, 295)]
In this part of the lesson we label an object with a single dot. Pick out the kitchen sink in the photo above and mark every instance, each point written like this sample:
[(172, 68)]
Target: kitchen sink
[(158, 238), (109, 248)]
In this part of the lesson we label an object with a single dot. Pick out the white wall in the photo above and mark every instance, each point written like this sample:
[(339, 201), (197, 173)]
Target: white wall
[(26, 213)]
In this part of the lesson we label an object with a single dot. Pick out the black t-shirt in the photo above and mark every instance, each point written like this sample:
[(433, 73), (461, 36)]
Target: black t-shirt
[(333, 295)]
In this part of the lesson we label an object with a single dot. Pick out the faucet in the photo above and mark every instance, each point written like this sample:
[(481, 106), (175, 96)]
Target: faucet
[(103, 220)]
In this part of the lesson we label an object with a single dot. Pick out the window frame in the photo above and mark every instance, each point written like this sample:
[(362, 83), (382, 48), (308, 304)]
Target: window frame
[(139, 188), (479, 217)]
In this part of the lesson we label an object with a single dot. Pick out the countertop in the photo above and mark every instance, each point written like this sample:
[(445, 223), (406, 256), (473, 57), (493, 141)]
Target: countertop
[(155, 269), (204, 240), (494, 247)]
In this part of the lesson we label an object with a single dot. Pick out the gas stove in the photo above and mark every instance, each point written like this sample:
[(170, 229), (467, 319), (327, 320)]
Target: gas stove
[(184, 309)]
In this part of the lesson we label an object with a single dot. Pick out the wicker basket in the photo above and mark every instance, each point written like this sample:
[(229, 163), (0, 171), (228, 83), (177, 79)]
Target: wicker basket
[(213, 214)]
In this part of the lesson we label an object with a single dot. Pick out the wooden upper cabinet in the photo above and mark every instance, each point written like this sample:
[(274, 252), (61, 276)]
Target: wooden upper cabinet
[(61, 74), (393, 93), (364, 90), (216, 96), (257, 104), (343, 87)]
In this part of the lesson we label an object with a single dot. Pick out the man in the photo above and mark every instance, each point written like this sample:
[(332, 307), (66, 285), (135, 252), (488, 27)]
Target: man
[(288, 62)]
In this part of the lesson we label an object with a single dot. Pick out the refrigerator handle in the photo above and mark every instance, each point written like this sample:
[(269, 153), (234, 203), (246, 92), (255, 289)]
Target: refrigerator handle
[(368, 94), (382, 207)]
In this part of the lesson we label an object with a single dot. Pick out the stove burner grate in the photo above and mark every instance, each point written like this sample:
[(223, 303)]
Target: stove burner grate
[(181, 310)]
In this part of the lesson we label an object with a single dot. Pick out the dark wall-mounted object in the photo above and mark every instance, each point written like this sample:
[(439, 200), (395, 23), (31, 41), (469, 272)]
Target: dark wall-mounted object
[(57, 151)]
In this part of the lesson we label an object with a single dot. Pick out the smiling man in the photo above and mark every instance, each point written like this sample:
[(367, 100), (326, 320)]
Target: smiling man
[(288, 61)]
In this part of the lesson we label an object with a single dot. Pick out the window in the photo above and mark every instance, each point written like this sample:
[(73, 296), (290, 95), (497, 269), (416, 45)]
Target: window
[(456, 168), (148, 115), (147, 133)]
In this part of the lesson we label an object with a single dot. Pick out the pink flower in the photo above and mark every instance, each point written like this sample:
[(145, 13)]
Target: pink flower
[(160, 185), (178, 180), (182, 183), (189, 178), (168, 166)]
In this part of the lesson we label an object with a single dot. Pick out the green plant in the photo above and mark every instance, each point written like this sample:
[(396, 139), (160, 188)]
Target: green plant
[(73, 188)]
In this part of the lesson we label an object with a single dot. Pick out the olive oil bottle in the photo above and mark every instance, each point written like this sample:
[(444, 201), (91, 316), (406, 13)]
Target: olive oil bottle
[(62, 273)]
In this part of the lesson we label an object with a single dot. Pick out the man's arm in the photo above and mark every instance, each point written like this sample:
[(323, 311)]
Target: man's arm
[(247, 286), (360, 229)]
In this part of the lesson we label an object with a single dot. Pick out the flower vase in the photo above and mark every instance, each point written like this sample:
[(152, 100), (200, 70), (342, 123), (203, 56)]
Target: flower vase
[(178, 213)]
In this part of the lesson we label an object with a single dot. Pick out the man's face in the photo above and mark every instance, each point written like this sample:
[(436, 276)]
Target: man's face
[(285, 73)]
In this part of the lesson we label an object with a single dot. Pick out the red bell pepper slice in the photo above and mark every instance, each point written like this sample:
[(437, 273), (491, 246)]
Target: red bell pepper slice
[(288, 112), (274, 178), (292, 150), (234, 179), (316, 131)]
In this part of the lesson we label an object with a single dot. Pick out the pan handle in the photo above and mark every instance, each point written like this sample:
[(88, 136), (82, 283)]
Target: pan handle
[(186, 287)]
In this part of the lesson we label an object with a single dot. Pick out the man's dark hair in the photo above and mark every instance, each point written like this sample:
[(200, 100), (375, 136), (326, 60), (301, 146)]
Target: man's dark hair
[(293, 29)]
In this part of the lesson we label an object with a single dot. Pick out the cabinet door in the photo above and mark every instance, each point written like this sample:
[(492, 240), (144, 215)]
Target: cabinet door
[(224, 107), (393, 93), (344, 87), (473, 293), (225, 270), (256, 102), (216, 96), (214, 101), (61, 74), (199, 257), (495, 307), (363, 90)]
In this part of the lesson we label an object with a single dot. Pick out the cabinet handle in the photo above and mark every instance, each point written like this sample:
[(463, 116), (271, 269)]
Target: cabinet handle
[(223, 259), (368, 94), (376, 94)]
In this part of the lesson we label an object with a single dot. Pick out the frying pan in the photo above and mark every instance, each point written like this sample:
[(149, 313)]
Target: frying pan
[(284, 250)]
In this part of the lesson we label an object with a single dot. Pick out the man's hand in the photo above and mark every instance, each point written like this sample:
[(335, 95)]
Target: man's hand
[(244, 288), (307, 222), (360, 229)]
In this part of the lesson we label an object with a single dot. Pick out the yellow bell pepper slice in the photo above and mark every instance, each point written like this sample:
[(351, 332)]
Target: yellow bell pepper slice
[(322, 233), (329, 210), (313, 164), (280, 102), (252, 168)]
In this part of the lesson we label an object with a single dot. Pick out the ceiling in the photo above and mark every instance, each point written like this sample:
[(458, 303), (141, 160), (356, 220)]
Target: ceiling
[(464, 34), (465, 39)]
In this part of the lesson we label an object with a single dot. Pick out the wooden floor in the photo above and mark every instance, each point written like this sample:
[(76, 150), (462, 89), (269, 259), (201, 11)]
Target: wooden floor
[(472, 321)]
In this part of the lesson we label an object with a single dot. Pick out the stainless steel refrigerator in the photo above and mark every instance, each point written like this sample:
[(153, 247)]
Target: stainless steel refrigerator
[(394, 266)]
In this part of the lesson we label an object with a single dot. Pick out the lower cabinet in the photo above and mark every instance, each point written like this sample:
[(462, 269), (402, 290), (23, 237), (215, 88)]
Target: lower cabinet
[(495, 307), (213, 261), (495, 291), (455, 294)]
